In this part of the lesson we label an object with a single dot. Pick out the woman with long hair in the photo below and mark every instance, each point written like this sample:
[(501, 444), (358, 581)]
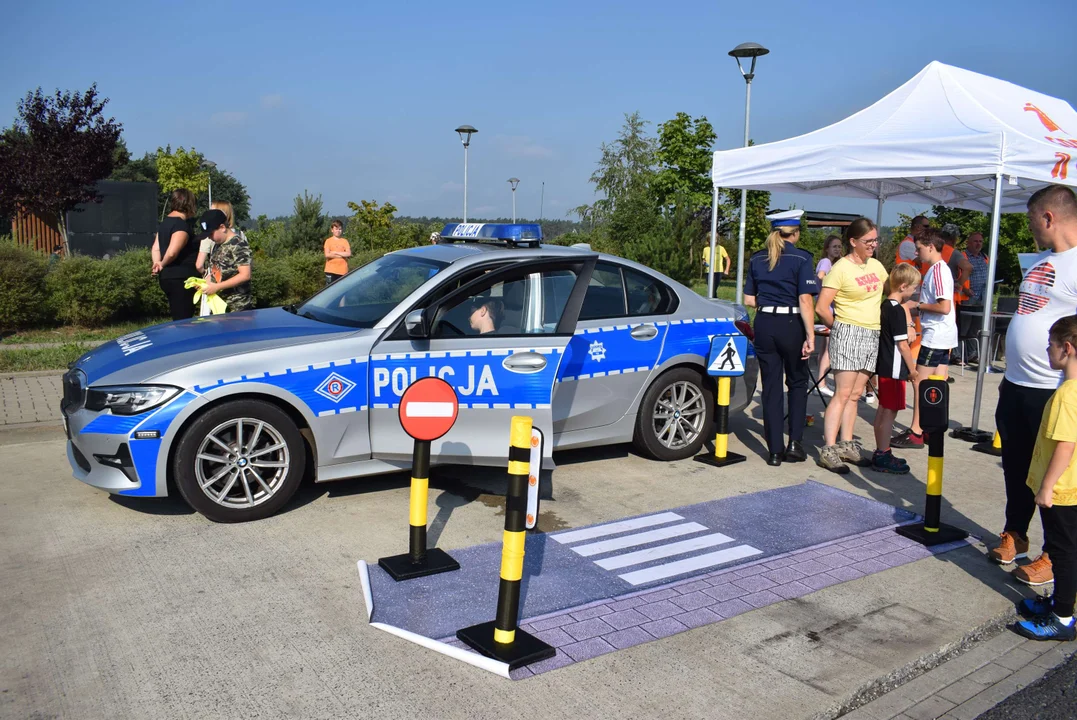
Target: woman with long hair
[(850, 305), (781, 286), (831, 254), (176, 262)]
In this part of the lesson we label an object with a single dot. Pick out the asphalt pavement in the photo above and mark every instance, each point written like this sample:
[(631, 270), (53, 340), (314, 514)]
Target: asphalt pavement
[(124, 608)]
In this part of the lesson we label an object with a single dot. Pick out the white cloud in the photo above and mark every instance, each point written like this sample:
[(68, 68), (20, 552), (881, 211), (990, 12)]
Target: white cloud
[(521, 146), (228, 118), (272, 101)]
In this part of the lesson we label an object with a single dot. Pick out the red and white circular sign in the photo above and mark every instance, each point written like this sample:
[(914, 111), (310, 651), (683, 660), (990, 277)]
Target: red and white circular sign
[(428, 408)]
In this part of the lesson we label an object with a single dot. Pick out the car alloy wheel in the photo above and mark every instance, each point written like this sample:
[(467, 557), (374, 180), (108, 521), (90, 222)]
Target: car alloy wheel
[(242, 463), (679, 415)]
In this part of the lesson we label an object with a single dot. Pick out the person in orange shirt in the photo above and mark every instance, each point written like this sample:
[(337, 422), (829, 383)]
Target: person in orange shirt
[(337, 252)]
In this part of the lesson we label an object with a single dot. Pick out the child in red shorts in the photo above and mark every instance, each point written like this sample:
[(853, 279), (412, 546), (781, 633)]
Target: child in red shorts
[(895, 364)]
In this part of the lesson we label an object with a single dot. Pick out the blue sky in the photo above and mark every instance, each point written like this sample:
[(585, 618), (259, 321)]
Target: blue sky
[(359, 100)]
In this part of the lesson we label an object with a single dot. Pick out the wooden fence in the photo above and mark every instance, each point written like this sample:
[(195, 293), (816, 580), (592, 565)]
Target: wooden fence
[(36, 232)]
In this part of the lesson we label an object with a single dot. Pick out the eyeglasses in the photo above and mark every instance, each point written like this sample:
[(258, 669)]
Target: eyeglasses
[(873, 241)]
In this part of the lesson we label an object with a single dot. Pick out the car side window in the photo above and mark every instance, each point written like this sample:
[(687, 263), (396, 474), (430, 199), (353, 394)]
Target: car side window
[(646, 295), (509, 307), (605, 296)]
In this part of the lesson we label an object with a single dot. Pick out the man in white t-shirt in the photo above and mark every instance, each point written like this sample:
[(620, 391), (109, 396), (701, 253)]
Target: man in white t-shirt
[(938, 323), (1048, 293)]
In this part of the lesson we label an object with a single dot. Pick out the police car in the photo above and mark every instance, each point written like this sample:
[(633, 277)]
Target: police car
[(232, 411)]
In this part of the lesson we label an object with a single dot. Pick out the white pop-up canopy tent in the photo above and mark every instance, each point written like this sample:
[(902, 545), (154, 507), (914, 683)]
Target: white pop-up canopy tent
[(946, 137)]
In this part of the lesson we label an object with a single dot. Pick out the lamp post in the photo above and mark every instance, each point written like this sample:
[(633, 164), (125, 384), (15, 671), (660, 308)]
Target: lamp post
[(513, 182), (465, 132), (753, 51), (208, 165)]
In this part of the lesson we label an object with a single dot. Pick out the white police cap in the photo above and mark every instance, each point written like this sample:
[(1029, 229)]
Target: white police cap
[(785, 218)]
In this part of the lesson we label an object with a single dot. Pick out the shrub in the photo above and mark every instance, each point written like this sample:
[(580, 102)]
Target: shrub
[(306, 274), (22, 286), (269, 281), (89, 292), (148, 300)]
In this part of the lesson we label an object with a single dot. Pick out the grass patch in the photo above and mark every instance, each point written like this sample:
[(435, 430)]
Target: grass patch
[(75, 334), (54, 358)]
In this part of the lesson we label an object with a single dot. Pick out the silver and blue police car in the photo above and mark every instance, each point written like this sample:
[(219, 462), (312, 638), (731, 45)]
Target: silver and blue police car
[(233, 411)]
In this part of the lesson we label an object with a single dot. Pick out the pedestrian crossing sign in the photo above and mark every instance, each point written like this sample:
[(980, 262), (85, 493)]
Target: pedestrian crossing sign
[(727, 355)]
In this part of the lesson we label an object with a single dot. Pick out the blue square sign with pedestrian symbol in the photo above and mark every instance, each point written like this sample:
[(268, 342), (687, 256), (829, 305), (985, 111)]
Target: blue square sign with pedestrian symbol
[(727, 356)]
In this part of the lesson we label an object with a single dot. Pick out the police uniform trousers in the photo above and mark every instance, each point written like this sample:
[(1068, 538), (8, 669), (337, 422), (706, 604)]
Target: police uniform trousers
[(779, 340)]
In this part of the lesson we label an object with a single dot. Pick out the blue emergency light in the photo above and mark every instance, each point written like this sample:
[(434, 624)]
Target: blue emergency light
[(502, 233)]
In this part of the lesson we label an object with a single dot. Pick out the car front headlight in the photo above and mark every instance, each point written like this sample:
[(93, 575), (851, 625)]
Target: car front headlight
[(129, 399)]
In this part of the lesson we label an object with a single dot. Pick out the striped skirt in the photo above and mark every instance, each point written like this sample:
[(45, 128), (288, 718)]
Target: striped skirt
[(853, 347)]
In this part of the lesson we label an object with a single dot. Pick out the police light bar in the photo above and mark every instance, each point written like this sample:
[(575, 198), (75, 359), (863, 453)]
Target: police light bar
[(501, 233)]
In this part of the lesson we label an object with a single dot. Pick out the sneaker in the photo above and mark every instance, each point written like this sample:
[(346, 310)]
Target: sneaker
[(908, 439), (887, 463), (1011, 548), (1034, 606), (1036, 573), (869, 398), (851, 452), (1046, 627), (826, 391), (830, 460)]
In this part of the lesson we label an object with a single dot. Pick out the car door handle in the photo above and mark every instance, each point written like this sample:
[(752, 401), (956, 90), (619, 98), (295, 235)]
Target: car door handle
[(644, 332), (525, 362)]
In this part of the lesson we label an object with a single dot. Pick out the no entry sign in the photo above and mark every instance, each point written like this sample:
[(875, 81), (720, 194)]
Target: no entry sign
[(428, 409)]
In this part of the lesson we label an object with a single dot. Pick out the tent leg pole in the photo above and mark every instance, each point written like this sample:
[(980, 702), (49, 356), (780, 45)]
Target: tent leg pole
[(714, 244), (879, 211), (973, 433)]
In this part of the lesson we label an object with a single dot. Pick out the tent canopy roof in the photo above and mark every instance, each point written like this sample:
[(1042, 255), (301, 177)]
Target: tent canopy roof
[(938, 139)]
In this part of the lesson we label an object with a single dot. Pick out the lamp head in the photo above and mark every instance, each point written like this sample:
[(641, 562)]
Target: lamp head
[(465, 132), (513, 182)]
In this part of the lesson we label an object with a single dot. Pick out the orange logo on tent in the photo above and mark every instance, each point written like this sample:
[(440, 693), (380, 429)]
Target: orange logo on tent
[(1047, 121), (1061, 168)]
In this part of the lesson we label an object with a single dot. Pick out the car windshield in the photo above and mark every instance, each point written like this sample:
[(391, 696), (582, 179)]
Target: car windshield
[(363, 297)]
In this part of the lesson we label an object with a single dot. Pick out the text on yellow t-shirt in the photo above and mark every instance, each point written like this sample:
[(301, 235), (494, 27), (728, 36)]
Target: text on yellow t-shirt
[(860, 291)]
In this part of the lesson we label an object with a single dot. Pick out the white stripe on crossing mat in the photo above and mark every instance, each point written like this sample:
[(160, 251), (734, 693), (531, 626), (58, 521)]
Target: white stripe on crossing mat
[(615, 527), (428, 409), (638, 539), (663, 551), (660, 572)]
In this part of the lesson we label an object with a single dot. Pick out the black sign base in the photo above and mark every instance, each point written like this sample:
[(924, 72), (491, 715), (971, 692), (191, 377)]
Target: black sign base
[(523, 650), (973, 436), (987, 448), (400, 567), (946, 533), (731, 458)]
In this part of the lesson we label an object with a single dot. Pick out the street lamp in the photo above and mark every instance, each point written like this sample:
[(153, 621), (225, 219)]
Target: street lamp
[(209, 165), (753, 51), (465, 132), (513, 182)]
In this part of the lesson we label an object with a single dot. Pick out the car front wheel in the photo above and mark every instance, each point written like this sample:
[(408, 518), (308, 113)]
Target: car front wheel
[(240, 461), (675, 413)]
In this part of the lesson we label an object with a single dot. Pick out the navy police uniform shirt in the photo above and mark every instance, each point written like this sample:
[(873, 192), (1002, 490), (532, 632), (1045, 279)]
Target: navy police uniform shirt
[(792, 277)]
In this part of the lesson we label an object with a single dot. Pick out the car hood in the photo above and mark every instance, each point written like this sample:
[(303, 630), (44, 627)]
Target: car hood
[(187, 341)]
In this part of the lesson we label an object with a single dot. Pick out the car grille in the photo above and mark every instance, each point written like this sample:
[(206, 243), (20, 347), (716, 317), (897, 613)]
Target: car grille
[(74, 391)]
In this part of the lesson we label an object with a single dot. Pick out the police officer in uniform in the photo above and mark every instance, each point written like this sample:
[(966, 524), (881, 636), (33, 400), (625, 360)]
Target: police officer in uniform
[(781, 286)]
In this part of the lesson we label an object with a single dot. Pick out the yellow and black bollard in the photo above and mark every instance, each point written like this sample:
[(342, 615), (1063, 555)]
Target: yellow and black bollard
[(990, 448), (722, 456), (502, 639), (934, 417)]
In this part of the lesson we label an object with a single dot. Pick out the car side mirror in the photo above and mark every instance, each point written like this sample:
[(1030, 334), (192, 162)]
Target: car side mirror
[(415, 322)]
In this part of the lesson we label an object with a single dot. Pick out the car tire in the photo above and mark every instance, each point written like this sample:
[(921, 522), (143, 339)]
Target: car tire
[(676, 387), (238, 482)]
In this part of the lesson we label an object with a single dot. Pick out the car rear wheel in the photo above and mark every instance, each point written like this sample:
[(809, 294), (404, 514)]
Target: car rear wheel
[(240, 461), (674, 415)]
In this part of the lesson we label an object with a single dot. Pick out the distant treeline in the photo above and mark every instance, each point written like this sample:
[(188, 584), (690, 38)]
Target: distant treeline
[(551, 228)]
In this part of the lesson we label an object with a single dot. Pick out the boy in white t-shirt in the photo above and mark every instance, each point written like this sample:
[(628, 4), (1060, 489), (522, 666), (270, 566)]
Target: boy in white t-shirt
[(938, 323)]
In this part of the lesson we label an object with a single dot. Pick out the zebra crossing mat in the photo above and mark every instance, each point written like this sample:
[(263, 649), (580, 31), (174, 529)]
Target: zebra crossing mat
[(596, 589)]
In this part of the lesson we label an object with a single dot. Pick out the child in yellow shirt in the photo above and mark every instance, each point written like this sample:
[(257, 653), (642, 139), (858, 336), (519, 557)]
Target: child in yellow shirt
[(1052, 476)]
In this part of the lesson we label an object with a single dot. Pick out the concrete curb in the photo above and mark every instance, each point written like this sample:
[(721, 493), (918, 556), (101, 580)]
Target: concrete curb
[(31, 373), (895, 679), (32, 425), (88, 344)]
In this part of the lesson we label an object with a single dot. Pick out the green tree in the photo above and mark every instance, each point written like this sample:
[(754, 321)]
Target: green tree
[(228, 189), (309, 226), (180, 169), (59, 146), (671, 245), (370, 217), (1014, 236), (684, 153), (626, 164)]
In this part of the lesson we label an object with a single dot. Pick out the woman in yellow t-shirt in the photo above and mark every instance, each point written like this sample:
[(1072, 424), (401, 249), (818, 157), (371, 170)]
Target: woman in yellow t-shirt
[(854, 286)]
